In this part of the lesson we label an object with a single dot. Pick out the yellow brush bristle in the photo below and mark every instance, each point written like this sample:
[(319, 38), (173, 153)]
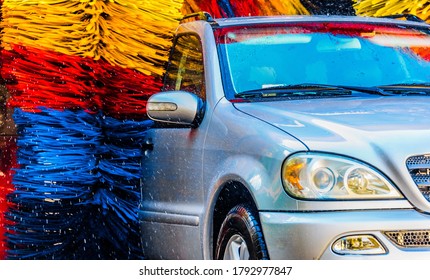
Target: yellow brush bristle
[(128, 33), (420, 8)]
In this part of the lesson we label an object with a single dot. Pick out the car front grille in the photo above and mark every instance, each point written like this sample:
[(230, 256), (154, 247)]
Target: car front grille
[(410, 238), (419, 168)]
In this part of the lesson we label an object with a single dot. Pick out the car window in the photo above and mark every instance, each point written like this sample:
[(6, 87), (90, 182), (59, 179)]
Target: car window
[(185, 70), (345, 54)]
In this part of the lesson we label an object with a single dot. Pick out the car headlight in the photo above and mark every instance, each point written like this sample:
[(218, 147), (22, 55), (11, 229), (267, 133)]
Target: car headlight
[(318, 176)]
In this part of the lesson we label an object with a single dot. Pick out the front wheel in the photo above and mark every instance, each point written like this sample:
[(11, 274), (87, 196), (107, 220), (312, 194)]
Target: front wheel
[(241, 236)]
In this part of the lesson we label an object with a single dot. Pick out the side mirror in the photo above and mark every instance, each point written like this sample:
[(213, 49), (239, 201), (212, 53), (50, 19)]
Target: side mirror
[(175, 107)]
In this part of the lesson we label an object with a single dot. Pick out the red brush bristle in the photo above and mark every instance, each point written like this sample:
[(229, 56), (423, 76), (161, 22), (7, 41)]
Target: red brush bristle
[(7, 164), (212, 7), (245, 8), (127, 91), (37, 78)]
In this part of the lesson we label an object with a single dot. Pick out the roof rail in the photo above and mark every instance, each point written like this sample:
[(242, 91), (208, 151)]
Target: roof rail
[(199, 16), (409, 17)]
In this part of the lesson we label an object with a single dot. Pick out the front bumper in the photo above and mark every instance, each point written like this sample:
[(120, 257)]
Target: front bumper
[(310, 235)]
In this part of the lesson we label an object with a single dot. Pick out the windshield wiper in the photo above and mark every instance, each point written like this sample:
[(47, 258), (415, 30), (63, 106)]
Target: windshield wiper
[(407, 88), (308, 90), (420, 85)]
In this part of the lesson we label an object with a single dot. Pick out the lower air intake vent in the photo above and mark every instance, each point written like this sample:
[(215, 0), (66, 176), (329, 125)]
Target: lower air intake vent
[(419, 168), (410, 238)]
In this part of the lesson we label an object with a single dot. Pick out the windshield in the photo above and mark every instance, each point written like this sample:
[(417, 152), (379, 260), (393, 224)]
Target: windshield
[(337, 54)]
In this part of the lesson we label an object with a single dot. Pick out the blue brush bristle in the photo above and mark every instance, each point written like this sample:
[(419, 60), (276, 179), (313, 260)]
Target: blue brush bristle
[(54, 184), (77, 187), (120, 167), (225, 5)]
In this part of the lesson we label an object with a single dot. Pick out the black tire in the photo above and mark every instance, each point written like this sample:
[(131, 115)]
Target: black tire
[(242, 220)]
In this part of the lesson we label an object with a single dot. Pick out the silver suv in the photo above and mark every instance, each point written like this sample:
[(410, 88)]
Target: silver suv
[(303, 137)]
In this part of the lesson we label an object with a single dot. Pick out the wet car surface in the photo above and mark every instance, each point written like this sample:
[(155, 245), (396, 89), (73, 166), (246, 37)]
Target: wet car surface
[(290, 138)]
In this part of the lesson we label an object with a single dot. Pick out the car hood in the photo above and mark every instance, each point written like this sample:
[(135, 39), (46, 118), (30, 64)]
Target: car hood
[(334, 124), (380, 131), (397, 126)]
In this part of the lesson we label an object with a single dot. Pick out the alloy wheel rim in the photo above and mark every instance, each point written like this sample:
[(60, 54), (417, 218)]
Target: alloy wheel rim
[(236, 249)]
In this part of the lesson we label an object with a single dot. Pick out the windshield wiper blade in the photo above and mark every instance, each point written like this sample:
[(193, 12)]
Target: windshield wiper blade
[(291, 90), (299, 89), (407, 88), (419, 85), (369, 90), (282, 90)]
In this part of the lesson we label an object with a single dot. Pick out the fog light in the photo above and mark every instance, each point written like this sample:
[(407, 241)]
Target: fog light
[(358, 245)]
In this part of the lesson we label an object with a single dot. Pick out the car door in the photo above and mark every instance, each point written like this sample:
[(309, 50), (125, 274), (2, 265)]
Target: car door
[(172, 193)]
